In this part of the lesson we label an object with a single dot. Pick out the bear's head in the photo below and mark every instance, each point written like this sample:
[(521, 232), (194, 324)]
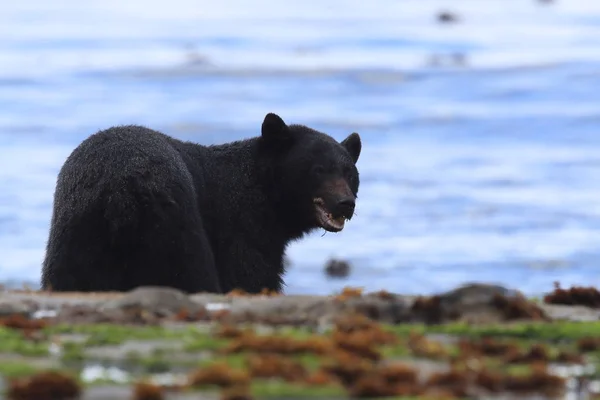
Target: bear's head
[(315, 176)]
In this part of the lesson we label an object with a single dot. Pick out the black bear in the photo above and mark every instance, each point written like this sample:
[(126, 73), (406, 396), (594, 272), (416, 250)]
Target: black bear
[(135, 207)]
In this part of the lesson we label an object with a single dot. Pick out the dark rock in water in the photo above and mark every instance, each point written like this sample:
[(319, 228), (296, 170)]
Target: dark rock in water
[(447, 60), (446, 17), (479, 303), (459, 59), (337, 268)]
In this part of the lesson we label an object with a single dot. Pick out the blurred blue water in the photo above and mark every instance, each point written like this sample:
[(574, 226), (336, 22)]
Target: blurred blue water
[(483, 171)]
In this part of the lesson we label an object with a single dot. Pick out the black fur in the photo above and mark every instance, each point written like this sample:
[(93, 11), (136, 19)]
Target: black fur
[(136, 207)]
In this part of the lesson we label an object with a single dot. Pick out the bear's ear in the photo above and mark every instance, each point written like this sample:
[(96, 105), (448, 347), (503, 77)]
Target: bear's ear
[(353, 145), (274, 130)]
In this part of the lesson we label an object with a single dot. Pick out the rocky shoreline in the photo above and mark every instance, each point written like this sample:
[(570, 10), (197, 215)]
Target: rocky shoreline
[(473, 303), (150, 343)]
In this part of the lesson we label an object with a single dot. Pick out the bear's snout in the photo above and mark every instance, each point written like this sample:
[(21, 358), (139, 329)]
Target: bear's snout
[(345, 207), (339, 199)]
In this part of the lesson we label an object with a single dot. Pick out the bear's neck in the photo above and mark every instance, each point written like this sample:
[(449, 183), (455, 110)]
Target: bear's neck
[(246, 183), (239, 213)]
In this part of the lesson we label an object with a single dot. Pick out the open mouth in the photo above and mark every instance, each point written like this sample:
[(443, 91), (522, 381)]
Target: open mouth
[(326, 219)]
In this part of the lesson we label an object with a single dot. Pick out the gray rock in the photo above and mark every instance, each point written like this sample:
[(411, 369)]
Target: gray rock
[(316, 310), (476, 303), (162, 301), (475, 294), (473, 302), (205, 299), (570, 313), (57, 300), (10, 306)]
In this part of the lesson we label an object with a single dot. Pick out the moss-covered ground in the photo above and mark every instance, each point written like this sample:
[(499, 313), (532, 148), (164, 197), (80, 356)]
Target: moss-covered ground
[(183, 349)]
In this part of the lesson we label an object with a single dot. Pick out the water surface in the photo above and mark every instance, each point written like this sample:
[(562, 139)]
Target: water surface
[(485, 170)]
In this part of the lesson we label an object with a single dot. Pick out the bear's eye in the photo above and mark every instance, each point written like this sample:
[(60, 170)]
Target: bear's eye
[(348, 173), (318, 170)]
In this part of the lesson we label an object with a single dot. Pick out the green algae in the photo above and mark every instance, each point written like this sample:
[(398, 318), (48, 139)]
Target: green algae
[(240, 360), (202, 347), (237, 361), (16, 369), (13, 342), (550, 331), (202, 339), (393, 351), (194, 340), (73, 352), (282, 389), (109, 334), (204, 342)]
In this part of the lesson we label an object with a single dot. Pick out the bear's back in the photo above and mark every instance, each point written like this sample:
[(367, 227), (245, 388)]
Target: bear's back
[(125, 215), (124, 153)]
